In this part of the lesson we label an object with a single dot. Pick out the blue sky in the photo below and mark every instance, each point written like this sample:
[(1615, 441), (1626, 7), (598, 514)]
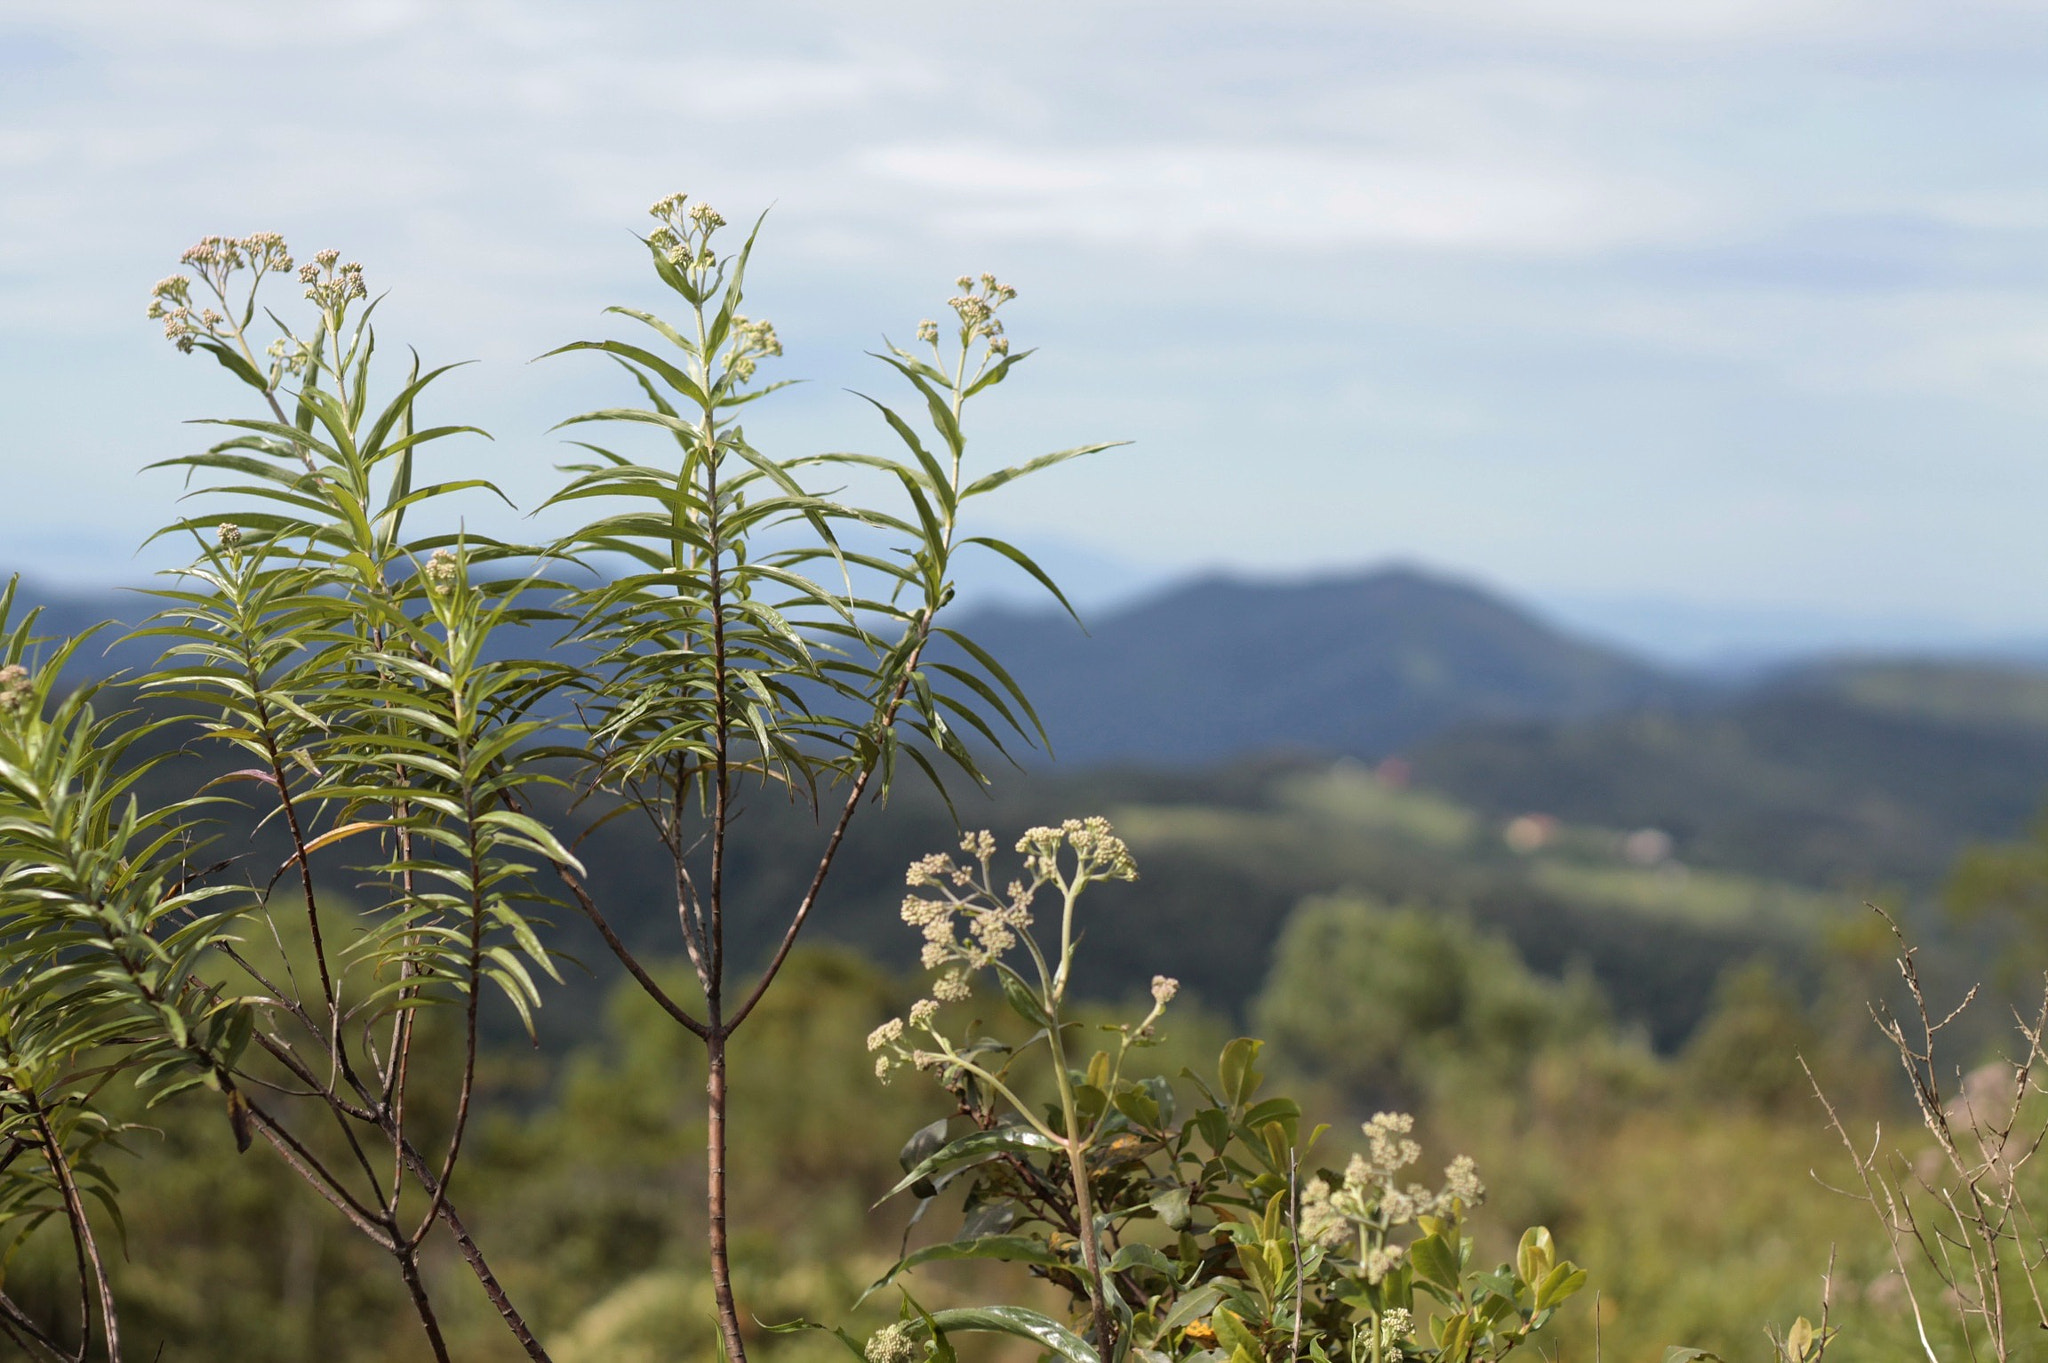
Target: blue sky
[(1742, 305)]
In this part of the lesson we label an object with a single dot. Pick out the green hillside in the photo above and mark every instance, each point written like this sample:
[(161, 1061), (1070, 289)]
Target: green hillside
[(1228, 854)]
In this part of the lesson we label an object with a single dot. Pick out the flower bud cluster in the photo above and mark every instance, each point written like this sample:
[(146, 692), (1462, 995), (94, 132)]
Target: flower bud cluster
[(1396, 1327), (332, 286), (216, 260), (1372, 1197), (684, 236), (893, 1344), (15, 689), (976, 306), (752, 340), (441, 571), (968, 925), (1099, 854)]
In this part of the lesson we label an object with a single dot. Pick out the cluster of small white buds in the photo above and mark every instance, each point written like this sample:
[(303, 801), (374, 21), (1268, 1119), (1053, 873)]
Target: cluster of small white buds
[(1321, 1222), (976, 306), (928, 332), (893, 1344), (1099, 854), (1387, 1137), (15, 688), (684, 236), (1164, 987), (1380, 1261), (1371, 1201), (752, 340), (171, 301), (441, 571), (229, 536), (215, 259), (1461, 1181), (1396, 1327), (331, 285)]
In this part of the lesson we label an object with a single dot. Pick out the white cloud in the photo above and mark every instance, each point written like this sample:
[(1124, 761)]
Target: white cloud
[(1219, 196), (1445, 233)]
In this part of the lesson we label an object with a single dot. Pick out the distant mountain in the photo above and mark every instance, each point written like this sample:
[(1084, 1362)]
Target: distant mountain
[(1363, 665), (1851, 774)]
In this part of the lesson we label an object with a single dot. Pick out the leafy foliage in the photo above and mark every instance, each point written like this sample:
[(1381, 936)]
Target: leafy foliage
[(1187, 1237), (427, 714)]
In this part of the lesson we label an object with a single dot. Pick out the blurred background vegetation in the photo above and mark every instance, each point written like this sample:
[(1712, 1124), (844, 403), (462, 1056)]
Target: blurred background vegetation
[(1587, 946)]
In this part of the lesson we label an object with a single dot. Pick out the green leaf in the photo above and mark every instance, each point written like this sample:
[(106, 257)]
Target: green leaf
[(853, 1346), (1191, 1307), (1535, 1255), (1233, 1334), (1022, 998), (1435, 1261), (1235, 1069), (1041, 1330), (1560, 1283), (980, 1145), (1142, 1256), (1029, 565), (1011, 1249), (1140, 1107), (1172, 1206)]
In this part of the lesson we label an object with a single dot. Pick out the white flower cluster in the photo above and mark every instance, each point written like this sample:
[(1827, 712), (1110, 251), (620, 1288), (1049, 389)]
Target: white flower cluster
[(1372, 1197), (893, 1344), (15, 688), (171, 300), (976, 306), (441, 571), (752, 341), (684, 236), (230, 535), (331, 285), (992, 922), (1396, 1327), (1099, 854), (959, 894), (1386, 1136), (215, 260)]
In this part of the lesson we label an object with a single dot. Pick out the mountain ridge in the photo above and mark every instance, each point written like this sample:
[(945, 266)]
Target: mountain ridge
[(1360, 664)]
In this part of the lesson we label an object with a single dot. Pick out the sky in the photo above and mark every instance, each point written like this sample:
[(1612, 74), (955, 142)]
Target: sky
[(1736, 307)]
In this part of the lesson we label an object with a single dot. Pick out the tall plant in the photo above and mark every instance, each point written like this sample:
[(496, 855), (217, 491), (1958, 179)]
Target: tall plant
[(745, 651), (420, 716)]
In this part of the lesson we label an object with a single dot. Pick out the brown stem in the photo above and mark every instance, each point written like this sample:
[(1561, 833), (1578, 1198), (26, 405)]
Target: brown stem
[(714, 975), (83, 1245), (18, 1326), (290, 809), (715, 1204), (584, 901), (477, 1263), (306, 1166), (409, 1269)]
